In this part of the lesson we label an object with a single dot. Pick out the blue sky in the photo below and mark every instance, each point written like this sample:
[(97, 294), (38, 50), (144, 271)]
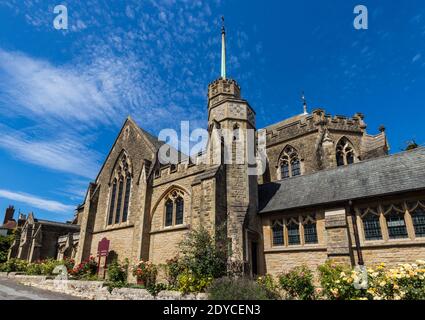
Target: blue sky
[(65, 94)]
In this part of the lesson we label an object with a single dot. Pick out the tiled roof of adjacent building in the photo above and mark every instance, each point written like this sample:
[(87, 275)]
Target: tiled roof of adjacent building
[(387, 175), (58, 224)]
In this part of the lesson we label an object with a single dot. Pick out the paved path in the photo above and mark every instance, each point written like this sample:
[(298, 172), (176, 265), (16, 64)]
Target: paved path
[(11, 290)]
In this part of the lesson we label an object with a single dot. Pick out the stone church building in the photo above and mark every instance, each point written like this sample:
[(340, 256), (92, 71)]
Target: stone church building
[(330, 190)]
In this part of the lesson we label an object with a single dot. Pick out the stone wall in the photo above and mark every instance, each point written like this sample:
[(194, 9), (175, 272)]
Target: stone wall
[(95, 290), (282, 261), (120, 242)]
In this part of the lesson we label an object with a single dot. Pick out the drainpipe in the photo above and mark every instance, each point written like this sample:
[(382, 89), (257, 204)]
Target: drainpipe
[(356, 233)]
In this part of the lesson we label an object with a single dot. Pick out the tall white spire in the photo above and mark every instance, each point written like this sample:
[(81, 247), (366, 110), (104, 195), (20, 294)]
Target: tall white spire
[(223, 50)]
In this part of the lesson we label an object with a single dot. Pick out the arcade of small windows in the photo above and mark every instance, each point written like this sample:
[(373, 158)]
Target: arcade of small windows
[(174, 208), (290, 232), (344, 153), (120, 192), (289, 163), (389, 222)]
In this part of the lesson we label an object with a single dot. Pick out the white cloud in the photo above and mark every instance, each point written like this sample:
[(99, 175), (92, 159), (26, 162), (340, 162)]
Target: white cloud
[(37, 202), (64, 153), (416, 58)]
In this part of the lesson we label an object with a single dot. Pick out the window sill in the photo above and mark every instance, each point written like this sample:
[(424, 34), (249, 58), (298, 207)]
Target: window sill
[(171, 229), (298, 248), (393, 242), (115, 227)]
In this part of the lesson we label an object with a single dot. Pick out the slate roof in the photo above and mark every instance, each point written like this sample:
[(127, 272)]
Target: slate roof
[(381, 176), (58, 224)]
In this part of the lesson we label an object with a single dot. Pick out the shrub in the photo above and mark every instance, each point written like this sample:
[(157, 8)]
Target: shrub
[(298, 283), (146, 273), (34, 269), (173, 268), (269, 284), (14, 265), (5, 243), (117, 272), (204, 254), (86, 270), (48, 265), (228, 288), (189, 282), (337, 282), (69, 263), (405, 282), (156, 288)]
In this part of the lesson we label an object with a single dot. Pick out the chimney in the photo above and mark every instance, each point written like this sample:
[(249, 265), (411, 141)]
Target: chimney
[(9, 214)]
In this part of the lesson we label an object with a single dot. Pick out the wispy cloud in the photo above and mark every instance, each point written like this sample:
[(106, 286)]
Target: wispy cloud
[(64, 154), (416, 57), (36, 202)]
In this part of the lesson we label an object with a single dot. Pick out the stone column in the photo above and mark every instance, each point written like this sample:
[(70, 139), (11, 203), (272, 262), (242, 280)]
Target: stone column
[(329, 155), (338, 241), (85, 232)]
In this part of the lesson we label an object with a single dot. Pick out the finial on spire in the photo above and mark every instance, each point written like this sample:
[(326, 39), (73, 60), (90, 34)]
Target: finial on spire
[(223, 49), (304, 103)]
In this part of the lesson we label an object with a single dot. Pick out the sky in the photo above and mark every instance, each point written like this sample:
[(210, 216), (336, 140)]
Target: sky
[(64, 94)]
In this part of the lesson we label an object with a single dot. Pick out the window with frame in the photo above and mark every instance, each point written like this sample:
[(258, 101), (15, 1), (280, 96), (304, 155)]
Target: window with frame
[(120, 192), (169, 213), (278, 233), (112, 202), (372, 227), (289, 163), (344, 152), (310, 231), (293, 229), (396, 225), (418, 218), (126, 198), (174, 208)]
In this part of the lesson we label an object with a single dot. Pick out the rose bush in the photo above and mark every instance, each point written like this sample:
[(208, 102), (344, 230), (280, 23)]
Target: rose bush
[(146, 273)]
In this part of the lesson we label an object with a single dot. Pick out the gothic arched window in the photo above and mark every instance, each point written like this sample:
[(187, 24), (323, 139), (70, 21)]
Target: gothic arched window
[(179, 210), (293, 233), (396, 225), (418, 217), (169, 213), (174, 208), (126, 198), (372, 227), (344, 152), (112, 202), (120, 192), (289, 163), (310, 231), (277, 233)]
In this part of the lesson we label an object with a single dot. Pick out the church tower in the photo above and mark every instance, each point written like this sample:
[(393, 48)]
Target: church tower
[(234, 119)]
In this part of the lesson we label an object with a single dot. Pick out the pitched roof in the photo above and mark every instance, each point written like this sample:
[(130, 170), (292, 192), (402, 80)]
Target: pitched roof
[(57, 224), (382, 176)]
